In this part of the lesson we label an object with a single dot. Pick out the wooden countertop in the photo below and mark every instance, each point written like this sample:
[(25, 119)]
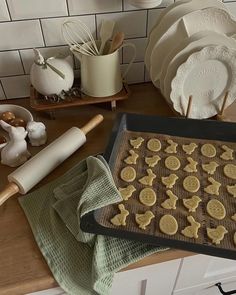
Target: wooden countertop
[(22, 266)]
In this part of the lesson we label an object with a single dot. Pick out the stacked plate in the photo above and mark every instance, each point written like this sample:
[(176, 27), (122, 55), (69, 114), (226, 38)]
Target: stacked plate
[(191, 51)]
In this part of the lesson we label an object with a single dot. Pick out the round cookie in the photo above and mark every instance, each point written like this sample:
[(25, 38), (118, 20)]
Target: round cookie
[(154, 145), (172, 163), (168, 225), (191, 184), (208, 150), (147, 197), (128, 174), (216, 209), (230, 171)]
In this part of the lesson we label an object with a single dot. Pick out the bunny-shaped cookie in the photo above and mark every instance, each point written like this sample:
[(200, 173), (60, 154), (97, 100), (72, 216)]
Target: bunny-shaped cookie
[(15, 152)]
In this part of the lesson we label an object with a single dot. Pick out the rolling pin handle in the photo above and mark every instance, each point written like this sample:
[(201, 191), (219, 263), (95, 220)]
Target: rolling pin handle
[(92, 124), (10, 190)]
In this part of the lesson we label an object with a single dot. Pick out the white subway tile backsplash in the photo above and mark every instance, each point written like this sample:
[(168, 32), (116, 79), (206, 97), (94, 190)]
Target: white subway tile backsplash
[(28, 9), (52, 28), (135, 74), (16, 86), (132, 23), (93, 6), (2, 95), (10, 63), (140, 45), (4, 15), (27, 55), (21, 34), (231, 6), (153, 15)]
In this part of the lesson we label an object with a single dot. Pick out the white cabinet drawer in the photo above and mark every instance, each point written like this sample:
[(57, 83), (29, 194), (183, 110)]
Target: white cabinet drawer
[(203, 269)]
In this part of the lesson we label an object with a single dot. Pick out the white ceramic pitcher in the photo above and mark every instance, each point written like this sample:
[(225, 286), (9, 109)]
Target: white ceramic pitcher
[(101, 74)]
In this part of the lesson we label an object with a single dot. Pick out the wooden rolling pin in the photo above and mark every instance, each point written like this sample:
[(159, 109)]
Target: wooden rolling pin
[(39, 166)]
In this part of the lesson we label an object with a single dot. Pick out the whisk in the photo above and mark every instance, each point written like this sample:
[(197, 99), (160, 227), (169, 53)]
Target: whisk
[(78, 36)]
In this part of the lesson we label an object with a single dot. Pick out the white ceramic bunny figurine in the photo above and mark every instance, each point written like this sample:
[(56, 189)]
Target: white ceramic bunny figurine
[(15, 152), (36, 133)]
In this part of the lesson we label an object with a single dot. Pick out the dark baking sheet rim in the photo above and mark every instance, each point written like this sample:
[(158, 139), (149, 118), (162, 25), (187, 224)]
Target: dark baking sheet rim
[(201, 129)]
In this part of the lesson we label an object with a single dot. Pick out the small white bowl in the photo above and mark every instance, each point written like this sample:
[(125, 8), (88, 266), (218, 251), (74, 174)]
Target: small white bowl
[(18, 111)]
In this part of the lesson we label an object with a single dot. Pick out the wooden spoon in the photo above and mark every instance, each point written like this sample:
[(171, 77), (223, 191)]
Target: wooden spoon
[(221, 116), (116, 41)]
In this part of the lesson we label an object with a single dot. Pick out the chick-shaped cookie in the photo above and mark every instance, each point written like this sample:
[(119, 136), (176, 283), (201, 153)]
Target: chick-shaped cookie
[(216, 234), (210, 168), (120, 219), (172, 148), (170, 180), (189, 148), (148, 180), (126, 192), (136, 143), (152, 161), (132, 159), (228, 154), (231, 189), (143, 220), (171, 202), (191, 231), (192, 203), (233, 217), (213, 188), (192, 166)]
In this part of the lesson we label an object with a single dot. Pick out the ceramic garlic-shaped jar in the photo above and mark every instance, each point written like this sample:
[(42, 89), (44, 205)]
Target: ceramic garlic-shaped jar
[(52, 75)]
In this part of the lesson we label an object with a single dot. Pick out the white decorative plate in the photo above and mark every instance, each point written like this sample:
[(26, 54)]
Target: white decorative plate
[(206, 75), (180, 54), (211, 19), (173, 13)]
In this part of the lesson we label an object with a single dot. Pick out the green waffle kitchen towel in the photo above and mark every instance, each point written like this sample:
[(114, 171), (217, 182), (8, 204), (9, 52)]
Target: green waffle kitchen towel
[(82, 263)]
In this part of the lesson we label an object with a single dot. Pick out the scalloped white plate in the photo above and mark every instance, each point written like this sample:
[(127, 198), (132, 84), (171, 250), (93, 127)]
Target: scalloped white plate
[(206, 75), (211, 19), (180, 54)]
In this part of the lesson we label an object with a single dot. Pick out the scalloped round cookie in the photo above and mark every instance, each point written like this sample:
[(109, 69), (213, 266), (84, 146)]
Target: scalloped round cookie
[(216, 209), (168, 225), (230, 171), (128, 174), (191, 184), (147, 196), (172, 163), (208, 150), (154, 145)]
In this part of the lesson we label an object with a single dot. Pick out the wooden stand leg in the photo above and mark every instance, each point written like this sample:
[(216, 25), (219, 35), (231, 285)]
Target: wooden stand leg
[(113, 105)]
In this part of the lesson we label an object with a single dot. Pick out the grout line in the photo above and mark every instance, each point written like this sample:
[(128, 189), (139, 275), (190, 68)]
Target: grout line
[(67, 7), (19, 75), (27, 48), (40, 23), (147, 19), (122, 5), (8, 9), (21, 61), (3, 90), (96, 26)]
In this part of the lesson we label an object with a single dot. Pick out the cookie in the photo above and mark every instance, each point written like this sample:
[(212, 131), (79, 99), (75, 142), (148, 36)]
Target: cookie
[(154, 145), (172, 148), (147, 197), (148, 180), (191, 184), (233, 217), (231, 189), (192, 166), (216, 209), (213, 188), (172, 163), (126, 192), (168, 225), (208, 150), (128, 174), (169, 181), (210, 168), (191, 231), (189, 148), (228, 154), (192, 203), (120, 219), (132, 159), (171, 202), (216, 234), (136, 143), (152, 161), (143, 220), (230, 171)]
